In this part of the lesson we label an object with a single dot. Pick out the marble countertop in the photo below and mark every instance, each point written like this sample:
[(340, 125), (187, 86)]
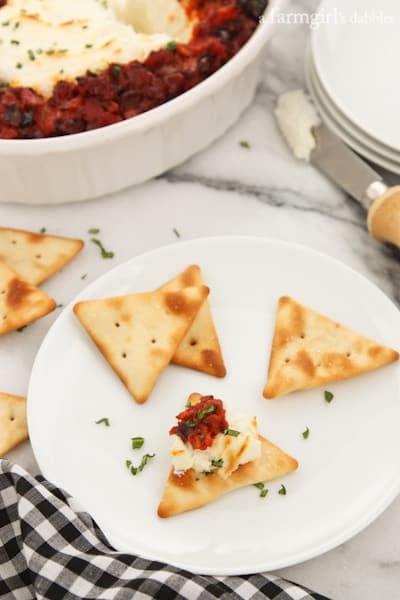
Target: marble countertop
[(229, 189)]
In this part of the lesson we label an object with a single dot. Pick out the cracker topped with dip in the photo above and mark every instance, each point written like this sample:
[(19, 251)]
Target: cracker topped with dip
[(214, 451)]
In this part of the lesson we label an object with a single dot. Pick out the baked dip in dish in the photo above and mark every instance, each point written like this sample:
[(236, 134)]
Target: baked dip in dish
[(68, 70)]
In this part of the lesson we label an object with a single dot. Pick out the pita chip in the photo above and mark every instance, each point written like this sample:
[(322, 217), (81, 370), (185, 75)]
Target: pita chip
[(200, 348), (13, 425), (139, 333), (309, 349), (33, 256), (20, 302), (191, 489)]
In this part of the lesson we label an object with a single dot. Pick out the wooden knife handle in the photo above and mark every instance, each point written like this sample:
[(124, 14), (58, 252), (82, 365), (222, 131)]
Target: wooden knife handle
[(384, 217)]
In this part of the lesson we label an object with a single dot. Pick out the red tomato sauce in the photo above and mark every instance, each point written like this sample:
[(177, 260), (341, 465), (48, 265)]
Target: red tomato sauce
[(200, 423), (123, 91)]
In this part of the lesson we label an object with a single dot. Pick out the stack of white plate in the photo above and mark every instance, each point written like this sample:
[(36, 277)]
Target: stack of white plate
[(352, 75)]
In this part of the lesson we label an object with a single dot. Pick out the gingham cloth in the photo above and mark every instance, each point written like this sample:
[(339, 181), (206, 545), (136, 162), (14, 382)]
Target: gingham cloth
[(51, 549)]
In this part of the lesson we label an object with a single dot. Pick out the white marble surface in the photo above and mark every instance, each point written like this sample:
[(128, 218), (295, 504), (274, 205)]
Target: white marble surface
[(228, 189)]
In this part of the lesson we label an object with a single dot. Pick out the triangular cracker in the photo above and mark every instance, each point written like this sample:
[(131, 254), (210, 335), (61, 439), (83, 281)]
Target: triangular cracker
[(20, 302), (33, 256), (13, 425), (139, 333), (309, 349), (200, 348), (192, 490)]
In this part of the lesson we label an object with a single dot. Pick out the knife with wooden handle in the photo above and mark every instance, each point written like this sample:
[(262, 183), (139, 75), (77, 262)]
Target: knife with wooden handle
[(310, 139), (358, 179)]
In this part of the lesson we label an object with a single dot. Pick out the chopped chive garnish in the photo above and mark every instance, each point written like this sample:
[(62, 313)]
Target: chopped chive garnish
[(143, 463), (19, 65), (88, 45), (104, 253), (116, 70), (244, 144), (262, 488), (282, 490), (103, 421), (190, 423), (15, 42), (217, 463), (5, 23), (231, 432), (31, 54), (93, 230), (42, 230), (17, 24), (84, 276), (171, 46), (59, 305), (176, 232), (137, 442), (328, 396), (306, 433), (206, 411)]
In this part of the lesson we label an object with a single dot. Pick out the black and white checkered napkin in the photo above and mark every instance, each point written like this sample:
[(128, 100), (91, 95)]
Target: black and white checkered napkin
[(50, 549)]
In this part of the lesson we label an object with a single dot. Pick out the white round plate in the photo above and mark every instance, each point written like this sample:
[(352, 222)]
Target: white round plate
[(343, 122), (372, 151), (354, 56), (348, 471)]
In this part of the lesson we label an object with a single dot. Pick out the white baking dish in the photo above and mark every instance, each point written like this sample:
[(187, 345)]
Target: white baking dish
[(90, 164)]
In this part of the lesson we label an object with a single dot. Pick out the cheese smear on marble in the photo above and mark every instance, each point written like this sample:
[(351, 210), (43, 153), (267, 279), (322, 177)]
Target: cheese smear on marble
[(44, 41), (233, 451), (297, 116)]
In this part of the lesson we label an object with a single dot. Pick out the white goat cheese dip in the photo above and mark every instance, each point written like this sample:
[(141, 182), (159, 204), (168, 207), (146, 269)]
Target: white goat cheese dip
[(45, 41), (233, 450), (296, 116)]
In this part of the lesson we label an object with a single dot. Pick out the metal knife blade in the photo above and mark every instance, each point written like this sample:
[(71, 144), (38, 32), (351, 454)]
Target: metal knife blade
[(345, 167)]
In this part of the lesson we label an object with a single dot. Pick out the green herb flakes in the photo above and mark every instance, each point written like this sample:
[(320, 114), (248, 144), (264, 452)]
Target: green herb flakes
[(328, 396), (93, 231), (104, 253), (141, 466), (42, 230), (116, 70), (232, 432), (244, 144), (217, 463), (206, 411), (263, 490), (306, 433), (104, 421), (282, 490), (137, 442), (31, 54), (176, 232), (171, 46)]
